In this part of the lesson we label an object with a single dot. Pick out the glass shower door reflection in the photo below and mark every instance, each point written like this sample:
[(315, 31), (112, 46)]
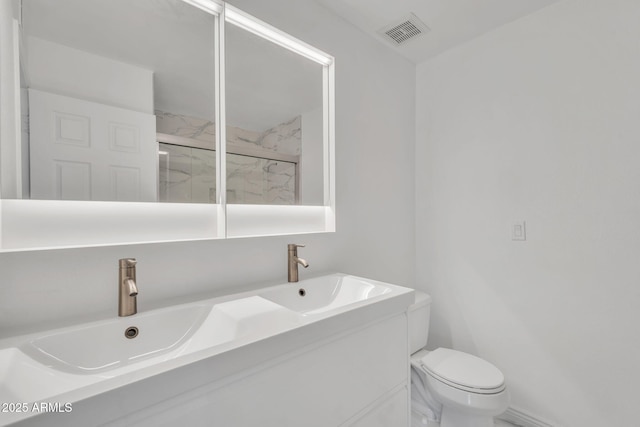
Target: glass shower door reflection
[(186, 174)]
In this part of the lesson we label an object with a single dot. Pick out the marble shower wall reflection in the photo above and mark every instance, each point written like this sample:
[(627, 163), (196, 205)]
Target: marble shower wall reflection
[(253, 180), (186, 127), (285, 138), (187, 174)]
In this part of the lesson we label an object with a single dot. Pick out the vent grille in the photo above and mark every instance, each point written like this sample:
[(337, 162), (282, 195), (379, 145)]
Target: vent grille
[(406, 29)]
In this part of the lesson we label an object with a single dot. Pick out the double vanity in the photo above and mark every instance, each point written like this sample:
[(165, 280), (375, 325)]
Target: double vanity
[(330, 350)]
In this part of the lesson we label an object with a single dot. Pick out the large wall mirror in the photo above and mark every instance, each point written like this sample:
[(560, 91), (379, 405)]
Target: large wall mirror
[(274, 123), (111, 125), (118, 101)]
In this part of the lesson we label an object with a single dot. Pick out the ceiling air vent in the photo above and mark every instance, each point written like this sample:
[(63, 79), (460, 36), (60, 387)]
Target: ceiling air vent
[(404, 30)]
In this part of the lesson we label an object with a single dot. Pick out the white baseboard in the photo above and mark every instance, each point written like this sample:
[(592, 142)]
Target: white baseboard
[(521, 418)]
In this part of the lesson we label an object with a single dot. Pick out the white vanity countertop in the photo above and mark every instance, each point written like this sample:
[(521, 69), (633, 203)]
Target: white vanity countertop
[(238, 331)]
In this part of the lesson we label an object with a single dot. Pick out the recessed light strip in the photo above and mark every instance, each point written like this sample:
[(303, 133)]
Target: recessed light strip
[(210, 6), (262, 29)]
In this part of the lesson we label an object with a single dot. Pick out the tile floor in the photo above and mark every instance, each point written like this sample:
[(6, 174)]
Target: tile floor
[(424, 423)]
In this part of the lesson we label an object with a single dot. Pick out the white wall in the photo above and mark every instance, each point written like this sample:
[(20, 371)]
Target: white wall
[(375, 211), (538, 121), (71, 72)]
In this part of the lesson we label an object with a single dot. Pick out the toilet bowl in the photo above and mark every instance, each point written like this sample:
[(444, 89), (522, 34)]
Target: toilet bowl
[(461, 390)]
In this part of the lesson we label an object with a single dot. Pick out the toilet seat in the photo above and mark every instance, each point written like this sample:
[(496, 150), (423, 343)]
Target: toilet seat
[(463, 371)]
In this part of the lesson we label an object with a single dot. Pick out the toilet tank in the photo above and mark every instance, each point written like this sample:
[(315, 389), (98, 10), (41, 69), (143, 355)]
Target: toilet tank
[(419, 313)]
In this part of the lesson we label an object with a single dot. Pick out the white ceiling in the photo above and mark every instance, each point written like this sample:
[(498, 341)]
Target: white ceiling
[(452, 22)]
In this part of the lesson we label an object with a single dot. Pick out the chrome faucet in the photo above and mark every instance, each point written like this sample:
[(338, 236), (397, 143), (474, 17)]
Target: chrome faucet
[(294, 261), (127, 288)]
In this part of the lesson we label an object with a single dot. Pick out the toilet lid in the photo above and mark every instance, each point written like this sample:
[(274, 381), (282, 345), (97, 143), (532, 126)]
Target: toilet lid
[(463, 369)]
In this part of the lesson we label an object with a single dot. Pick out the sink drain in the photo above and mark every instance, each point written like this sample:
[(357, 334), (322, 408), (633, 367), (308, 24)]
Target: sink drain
[(131, 332), (302, 292)]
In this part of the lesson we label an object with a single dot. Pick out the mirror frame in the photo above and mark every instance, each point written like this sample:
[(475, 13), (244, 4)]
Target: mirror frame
[(53, 224)]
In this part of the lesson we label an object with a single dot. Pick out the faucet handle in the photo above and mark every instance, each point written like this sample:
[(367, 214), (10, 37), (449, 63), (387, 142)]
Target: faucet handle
[(294, 246), (128, 262)]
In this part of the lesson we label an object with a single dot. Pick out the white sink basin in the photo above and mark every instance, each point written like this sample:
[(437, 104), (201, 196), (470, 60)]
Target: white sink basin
[(103, 346), (326, 293), (167, 333)]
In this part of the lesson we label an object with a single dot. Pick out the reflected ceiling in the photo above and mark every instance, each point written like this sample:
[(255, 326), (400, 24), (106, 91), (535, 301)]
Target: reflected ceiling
[(151, 34)]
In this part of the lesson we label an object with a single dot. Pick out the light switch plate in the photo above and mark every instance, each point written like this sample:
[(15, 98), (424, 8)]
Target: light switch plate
[(518, 230)]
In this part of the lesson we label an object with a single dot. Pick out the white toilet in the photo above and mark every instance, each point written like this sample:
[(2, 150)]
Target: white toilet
[(464, 390)]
